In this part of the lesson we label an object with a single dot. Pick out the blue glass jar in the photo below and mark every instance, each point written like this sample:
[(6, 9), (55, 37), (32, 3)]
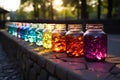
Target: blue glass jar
[(14, 29), (26, 32), (32, 33), (9, 30), (22, 31)]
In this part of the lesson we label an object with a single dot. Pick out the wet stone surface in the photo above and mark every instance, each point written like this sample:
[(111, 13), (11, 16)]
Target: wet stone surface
[(8, 69)]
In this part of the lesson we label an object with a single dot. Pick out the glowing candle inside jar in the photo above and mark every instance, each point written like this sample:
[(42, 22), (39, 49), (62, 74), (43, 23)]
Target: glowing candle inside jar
[(74, 41), (58, 38)]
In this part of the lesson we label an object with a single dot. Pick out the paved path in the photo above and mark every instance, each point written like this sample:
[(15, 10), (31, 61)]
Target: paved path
[(7, 68), (114, 44)]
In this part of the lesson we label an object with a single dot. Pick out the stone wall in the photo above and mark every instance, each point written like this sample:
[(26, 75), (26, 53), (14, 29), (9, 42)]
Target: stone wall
[(37, 63)]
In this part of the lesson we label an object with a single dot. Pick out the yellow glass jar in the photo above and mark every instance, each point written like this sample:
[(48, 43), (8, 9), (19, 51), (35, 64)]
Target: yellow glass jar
[(58, 38), (47, 35)]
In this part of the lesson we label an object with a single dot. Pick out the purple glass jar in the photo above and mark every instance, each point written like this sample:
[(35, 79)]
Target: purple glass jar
[(95, 43)]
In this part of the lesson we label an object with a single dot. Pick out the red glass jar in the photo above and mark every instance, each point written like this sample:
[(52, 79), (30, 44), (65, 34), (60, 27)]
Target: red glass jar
[(74, 41), (95, 43), (58, 38)]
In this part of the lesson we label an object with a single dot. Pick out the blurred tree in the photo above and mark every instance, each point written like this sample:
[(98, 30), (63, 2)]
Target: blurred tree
[(116, 9), (80, 5), (84, 13), (73, 9), (99, 9), (22, 14), (23, 1), (50, 10), (110, 8)]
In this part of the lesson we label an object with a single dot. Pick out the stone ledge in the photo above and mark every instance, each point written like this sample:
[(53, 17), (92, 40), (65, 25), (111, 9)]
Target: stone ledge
[(43, 64)]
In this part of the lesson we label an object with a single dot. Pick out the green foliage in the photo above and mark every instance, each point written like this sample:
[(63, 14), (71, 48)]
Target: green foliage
[(71, 10), (23, 1)]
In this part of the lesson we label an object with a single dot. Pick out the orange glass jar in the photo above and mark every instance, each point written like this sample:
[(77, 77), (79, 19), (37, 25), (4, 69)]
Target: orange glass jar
[(58, 38), (74, 41)]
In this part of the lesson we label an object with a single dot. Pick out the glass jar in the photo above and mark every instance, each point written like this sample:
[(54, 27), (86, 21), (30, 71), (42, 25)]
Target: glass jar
[(39, 31), (32, 33), (14, 29), (95, 43), (74, 41), (47, 35), (18, 29), (58, 38), (22, 31), (27, 32), (10, 28)]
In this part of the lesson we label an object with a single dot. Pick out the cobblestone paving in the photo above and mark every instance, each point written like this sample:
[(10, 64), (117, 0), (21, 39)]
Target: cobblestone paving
[(7, 68)]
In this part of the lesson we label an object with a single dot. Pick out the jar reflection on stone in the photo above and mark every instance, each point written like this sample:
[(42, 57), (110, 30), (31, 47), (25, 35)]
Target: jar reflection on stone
[(58, 38), (95, 40), (74, 40), (47, 35)]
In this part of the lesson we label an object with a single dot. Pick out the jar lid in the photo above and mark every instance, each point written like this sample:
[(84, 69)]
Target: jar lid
[(60, 26), (49, 26), (74, 26), (40, 26), (94, 26)]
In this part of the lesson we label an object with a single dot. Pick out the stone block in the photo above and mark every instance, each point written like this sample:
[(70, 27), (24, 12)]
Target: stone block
[(61, 72), (51, 64), (33, 74), (112, 77), (63, 68), (52, 78), (34, 56), (37, 68), (75, 66), (28, 65), (86, 75), (42, 61), (100, 66), (19, 54), (61, 55), (67, 59), (43, 75), (115, 70), (50, 56)]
